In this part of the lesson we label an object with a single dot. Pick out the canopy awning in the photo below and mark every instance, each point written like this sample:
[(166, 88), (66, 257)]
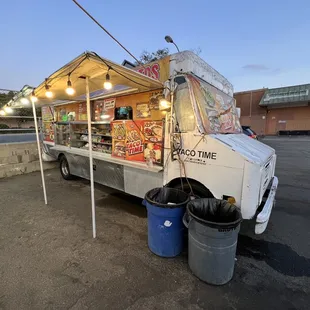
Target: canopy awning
[(91, 65), (87, 74)]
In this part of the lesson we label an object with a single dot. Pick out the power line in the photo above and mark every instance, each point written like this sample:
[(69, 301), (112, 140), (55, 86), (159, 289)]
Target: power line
[(107, 32)]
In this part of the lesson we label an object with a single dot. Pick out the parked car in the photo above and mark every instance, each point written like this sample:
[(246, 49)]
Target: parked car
[(249, 132)]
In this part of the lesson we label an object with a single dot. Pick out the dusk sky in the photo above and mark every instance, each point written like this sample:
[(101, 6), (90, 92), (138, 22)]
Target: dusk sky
[(254, 44)]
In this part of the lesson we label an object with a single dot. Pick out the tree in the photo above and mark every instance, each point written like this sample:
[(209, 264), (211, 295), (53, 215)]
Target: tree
[(147, 57), (5, 97)]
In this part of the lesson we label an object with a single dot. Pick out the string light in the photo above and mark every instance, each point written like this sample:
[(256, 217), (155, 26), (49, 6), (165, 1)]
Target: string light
[(33, 97), (107, 84), (48, 92), (70, 90), (2, 113), (8, 110), (164, 104), (24, 100)]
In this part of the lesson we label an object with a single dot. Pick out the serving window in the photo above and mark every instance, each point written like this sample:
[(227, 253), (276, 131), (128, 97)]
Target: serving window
[(129, 127)]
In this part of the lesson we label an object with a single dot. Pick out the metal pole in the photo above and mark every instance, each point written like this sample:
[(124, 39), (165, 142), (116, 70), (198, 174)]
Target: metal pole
[(91, 171), (39, 149), (176, 47), (171, 110)]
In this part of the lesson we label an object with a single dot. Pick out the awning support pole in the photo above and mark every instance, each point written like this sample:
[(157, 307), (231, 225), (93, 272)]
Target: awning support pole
[(39, 149), (91, 171)]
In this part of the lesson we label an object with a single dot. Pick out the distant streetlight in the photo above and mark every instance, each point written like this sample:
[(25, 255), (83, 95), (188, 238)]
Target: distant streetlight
[(169, 40)]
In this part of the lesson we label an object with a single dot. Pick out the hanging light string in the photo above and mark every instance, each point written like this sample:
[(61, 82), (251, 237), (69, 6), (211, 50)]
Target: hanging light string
[(50, 81), (107, 32), (70, 90), (116, 71)]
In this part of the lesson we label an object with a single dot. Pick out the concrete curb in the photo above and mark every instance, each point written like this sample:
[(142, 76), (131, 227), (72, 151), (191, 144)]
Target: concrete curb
[(9, 170)]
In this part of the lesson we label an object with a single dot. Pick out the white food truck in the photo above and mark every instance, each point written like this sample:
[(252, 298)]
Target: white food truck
[(174, 123)]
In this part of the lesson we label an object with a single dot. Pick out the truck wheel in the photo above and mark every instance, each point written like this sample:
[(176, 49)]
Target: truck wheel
[(199, 190), (64, 168)]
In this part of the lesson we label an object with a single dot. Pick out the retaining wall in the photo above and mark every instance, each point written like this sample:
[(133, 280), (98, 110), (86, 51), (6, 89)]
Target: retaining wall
[(20, 158)]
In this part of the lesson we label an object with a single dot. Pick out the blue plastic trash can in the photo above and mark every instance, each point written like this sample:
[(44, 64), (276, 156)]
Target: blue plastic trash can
[(165, 210)]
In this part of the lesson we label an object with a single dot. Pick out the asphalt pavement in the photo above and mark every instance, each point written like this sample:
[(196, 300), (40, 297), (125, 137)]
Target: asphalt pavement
[(50, 261)]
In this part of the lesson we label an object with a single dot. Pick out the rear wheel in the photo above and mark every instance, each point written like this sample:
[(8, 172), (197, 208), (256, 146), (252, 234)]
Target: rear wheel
[(198, 190), (64, 168)]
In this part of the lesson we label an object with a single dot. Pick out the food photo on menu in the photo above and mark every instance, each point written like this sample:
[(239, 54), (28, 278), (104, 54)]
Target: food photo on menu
[(153, 131), (119, 149), (152, 153), (143, 110)]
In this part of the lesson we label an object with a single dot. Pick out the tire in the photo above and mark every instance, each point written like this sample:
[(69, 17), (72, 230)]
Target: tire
[(64, 168), (199, 190)]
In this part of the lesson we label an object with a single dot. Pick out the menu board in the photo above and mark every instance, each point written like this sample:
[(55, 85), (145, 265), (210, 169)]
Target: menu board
[(119, 139), (153, 131), (47, 114), (134, 141), (82, 112), (138, 140), (143, 110), (104, 110), (48, 126), (153, 152), (153, 138)]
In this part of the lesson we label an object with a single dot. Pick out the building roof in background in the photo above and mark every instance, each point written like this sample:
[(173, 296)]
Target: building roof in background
[(24, 92), (290, 96), (250, 91)]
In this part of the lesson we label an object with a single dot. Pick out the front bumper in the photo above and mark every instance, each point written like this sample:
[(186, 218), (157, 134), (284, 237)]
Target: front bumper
[(262, 218)]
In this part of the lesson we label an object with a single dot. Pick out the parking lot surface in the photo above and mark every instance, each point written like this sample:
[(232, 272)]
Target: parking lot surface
[(49, 260)]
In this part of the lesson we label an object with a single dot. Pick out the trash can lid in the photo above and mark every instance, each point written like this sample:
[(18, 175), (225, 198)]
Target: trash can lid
[(166, 197)]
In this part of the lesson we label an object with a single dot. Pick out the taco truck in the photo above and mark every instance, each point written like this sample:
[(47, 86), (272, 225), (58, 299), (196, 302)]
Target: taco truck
[(177, 127)]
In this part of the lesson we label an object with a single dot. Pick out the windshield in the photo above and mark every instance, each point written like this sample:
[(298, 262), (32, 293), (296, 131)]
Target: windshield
[(184, 113), (215, 111)]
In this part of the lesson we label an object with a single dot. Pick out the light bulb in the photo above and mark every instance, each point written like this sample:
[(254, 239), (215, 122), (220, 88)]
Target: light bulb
[(8, 109), (164, 104), (70, 90), (2, 113), (24, 100), (49, 94), (107, 84), (33, 97)]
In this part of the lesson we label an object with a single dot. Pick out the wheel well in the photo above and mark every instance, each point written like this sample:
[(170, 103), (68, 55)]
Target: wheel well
[(193, 183), (60, 155)]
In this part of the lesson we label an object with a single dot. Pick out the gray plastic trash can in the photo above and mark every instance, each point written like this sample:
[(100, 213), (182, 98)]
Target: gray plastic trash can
[(213, 227)]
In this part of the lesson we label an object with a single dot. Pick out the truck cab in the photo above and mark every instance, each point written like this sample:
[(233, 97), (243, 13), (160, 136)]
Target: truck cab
[(209, 154)]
